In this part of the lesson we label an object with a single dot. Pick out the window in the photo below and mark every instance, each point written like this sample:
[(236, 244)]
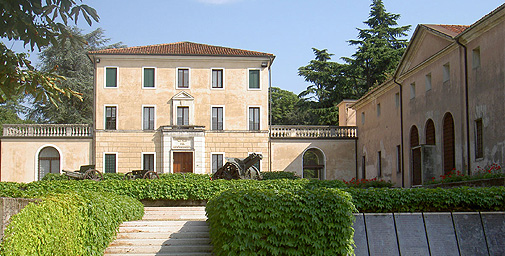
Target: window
[(397, 99), (148, 118), (363, 167), (362, 117), (254, 79), (49, 161), (148, 161), (110, 77), (254, 118), (182, 115), (427, 79), (479, 147), (379, 164), (148, 78), (412, 90), (217, 118), (110, 118), (378, 110), (183, 78), (313, 164), (398, 159), (217, 78), (217, 161), (447, 72), (476, 57), (109, 163)]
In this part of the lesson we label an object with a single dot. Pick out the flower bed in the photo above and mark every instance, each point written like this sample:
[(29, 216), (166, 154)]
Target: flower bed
[(491, 175)]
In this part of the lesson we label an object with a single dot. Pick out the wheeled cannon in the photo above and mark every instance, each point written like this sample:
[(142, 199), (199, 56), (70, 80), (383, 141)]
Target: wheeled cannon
[(236, 168), (85, 172), (141, 174)]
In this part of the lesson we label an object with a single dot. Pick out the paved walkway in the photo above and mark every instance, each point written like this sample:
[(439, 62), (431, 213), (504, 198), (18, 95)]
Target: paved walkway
[(164, 231)]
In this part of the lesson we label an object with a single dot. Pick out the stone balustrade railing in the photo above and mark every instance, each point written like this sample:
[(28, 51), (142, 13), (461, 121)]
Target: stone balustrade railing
[(313, 131), (47, 130)]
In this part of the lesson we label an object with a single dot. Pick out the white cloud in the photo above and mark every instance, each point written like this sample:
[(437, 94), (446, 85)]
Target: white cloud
[(217, 1)]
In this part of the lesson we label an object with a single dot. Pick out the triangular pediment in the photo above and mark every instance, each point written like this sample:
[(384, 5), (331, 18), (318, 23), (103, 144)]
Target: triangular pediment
[(425, 43), (183, 96)]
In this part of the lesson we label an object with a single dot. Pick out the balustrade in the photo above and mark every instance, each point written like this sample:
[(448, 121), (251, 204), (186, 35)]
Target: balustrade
[(47, 130), (298, 131)]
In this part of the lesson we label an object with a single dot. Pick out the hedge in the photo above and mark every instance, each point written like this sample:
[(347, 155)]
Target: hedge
[(69, 224), (429, 200), (274, 222)]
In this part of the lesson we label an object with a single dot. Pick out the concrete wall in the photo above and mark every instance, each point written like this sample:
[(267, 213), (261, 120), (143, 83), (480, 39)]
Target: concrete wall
[(9, 207), (340, 163), (20, 156)]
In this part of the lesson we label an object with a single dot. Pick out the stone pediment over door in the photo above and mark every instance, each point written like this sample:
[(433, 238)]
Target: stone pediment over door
[(183, 100)]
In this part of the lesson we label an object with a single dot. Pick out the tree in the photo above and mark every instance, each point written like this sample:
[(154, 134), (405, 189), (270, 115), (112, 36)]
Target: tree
[(72, 63), (37, 23), (330, 84), (379, 47), (284, 107)]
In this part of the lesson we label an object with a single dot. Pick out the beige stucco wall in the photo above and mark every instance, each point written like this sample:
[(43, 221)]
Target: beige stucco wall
[(129, 96), (237, 145), (340, 161), (20, 156)]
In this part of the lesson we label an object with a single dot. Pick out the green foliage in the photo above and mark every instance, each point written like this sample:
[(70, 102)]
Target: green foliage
[(281, 222), (285, 109), (488, 172), (69, 224), (37, 24), (279, 175), (428, 200), (71, 61), (368, 183)]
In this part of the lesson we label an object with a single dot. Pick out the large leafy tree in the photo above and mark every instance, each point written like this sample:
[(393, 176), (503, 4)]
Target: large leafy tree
[(379, 49), (71, 61), (37, 24), (284, 109)]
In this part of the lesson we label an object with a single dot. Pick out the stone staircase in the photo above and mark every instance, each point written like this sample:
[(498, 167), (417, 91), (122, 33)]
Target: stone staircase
[(164, 231)]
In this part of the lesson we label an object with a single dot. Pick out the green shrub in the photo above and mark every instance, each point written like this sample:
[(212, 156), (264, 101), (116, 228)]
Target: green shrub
[(368, 183), (428, 200), (276, 222), (54, 176), (279, 175), (69, 224)]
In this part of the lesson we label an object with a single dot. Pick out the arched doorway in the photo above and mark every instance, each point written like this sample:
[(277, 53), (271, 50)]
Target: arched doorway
[(430, 132), (313, 164), (49, 161), (416, 156), (448, 143)]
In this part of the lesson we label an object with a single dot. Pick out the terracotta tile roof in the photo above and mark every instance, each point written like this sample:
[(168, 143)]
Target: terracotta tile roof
[(181, 48), (450, 30)]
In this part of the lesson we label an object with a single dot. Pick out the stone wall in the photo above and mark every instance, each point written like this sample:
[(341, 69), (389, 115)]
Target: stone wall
[(10, 207)]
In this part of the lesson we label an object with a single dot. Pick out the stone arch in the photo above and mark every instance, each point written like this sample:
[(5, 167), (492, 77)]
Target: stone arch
[(448, 141), (48, 161), (314, 164)]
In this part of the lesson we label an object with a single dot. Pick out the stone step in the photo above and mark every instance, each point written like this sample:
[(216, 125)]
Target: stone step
[(153, 223), (161, 209), (159, 249), (164, 229), (159, 242), (174, 217), (160, 235), (163, 254)]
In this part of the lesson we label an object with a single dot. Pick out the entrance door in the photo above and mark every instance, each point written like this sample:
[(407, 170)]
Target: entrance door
[(183, 162), (416, 166)]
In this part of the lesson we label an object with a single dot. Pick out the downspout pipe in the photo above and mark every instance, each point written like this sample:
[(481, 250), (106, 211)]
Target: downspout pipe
[(270, 114), (467, 115), (401, 132)]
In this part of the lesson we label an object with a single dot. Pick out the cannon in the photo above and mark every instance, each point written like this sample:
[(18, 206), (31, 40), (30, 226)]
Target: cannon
[(141, 174), (85, 172), (236, 168)]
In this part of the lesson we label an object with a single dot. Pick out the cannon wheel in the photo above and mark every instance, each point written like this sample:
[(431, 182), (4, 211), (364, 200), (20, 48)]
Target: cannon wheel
[(93, 175), (129, 176), (151, 175), (253, 173)]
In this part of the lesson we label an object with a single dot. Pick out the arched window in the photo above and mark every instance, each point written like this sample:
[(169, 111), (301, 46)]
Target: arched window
[(313, 164), (416, 156), (430, 132), (448, 143), (49, 161)]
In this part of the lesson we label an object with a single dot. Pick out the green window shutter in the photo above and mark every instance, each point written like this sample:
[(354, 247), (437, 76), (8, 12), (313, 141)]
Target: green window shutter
[(254, 79), (149, 77), (110, 77)]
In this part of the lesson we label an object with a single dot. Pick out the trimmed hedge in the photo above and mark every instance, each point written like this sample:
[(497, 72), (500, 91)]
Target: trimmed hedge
[(273, 222), (279, 175), (460, 199), (69, 224)]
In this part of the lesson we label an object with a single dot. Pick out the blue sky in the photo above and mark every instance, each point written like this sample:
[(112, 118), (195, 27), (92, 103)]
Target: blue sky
[(288, 29)]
